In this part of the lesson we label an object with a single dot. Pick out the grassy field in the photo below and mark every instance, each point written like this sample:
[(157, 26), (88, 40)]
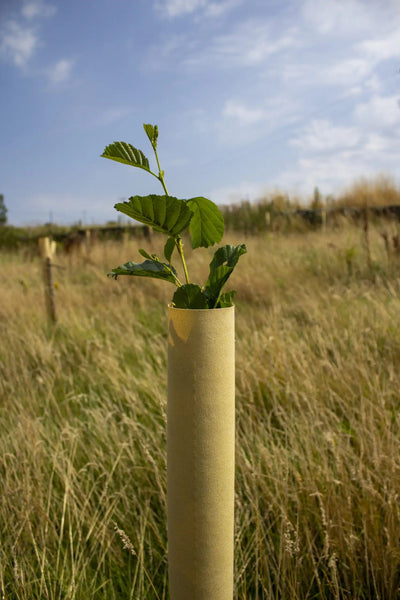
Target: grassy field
[(82, 414)]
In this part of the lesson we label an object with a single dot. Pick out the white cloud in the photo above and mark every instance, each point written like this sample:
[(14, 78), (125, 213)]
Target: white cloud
[(250, 43), (377, 143), (328, 174), (323, 136), (17, 43), (240, 124), (216, 9), (338, 169), (344, 41), (335, 155), (37, 8), (348, 73), (373, 84), (338, 17), (60, 72), (381, 47), (178, 8), (379, 112), (242, 113)]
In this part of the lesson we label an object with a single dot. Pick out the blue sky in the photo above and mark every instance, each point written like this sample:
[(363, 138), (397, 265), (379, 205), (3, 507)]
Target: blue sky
[(249, 96)]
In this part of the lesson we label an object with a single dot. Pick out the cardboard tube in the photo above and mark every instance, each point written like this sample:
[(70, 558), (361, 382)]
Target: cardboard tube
[(201, 453)]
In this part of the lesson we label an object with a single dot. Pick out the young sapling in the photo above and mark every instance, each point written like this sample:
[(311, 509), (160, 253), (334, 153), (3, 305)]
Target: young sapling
[(172, 216)]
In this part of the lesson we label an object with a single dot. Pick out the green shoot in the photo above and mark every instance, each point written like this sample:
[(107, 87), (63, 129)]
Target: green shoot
[(172, 216)]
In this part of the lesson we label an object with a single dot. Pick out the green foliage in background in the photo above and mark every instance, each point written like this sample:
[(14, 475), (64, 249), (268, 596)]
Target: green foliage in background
[(3, 211)]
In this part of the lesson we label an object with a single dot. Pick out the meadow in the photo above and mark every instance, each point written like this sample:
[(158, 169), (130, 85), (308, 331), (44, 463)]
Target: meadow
[(83, 405)]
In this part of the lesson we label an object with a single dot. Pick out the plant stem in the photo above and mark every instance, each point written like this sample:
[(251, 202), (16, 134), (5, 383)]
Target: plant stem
[(160, 173), (179, 247), (178, 241), (177, 282)]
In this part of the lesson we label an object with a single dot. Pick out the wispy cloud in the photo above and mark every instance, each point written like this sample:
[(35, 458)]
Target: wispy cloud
[(216, 9), (177, 8), (332, 153), (323, 136), (20, 40), (37, 8), (208, 8), (60, 72), (19, 36), (340, 17), (250, 43), (242, 123), (381, 47), (18, 43), (337, 169), (241, 113), (379, 112)]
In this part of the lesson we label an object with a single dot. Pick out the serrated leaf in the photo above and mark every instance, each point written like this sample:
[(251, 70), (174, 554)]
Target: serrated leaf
[(169, 248), (216, 281), (226, 299), (145, 254), (221, 267), (228, 254), (126, 153), (152, 133), (190, 295), (164, 213), (148, 268), (207, 225)]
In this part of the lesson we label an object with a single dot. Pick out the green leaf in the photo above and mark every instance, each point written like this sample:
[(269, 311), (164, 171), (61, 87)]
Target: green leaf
[(125, 153), (221, 267), (207, 225), (145, 254), (148, 268), (152, 133), (228, 254), (169, 248), (226, 299), (215, 282), (164, 213), (189, 295)]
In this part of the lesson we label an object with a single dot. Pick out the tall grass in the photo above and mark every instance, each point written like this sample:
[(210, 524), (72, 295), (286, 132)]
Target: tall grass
[(82, 413)]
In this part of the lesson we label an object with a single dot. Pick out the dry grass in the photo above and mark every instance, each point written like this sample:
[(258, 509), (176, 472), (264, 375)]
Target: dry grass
[(82, 409), (378, 191)]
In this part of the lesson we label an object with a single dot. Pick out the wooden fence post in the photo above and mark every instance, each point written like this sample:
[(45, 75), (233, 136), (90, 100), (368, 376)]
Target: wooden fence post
[(323, 219), (88, 241), (47, 249)]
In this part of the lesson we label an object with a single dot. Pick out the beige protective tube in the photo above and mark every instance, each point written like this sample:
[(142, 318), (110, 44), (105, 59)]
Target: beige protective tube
[(201, 453)]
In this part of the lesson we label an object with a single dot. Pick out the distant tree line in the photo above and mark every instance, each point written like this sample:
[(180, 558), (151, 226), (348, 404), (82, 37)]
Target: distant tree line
[(274, 212), (280, 211), (3, 211)]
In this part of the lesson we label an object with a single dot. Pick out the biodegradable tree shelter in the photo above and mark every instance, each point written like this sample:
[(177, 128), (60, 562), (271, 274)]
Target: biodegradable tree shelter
[(201, 384)]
